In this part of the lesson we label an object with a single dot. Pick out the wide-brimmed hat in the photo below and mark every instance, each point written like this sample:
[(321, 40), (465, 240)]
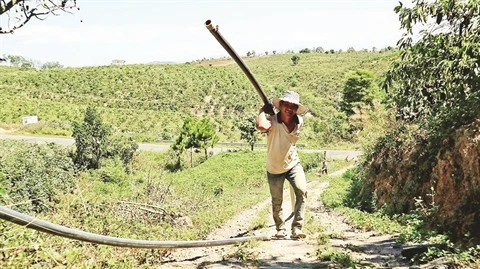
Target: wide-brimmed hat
[(291, 97)]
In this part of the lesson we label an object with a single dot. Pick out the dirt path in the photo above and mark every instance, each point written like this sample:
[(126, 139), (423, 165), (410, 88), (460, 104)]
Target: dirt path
[(371, 250)]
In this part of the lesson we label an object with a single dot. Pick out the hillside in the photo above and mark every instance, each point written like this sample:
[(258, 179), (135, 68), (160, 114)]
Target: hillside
[(151, 101)]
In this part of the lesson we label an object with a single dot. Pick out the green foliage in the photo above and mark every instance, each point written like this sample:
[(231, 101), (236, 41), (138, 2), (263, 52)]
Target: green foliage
[(337, 257), (441, 70), (33, 176), (19, 61), (419, 222), (371, 123), (122, 147), (412, 227), (248, 130), (112, 170), (215, 193), (205, 135), (359, 194), (195, 134), (91, 140), (146, 204), (360, 89), (295, 59), (305, 50), (148, 101), (334, 195), (339, 197), (49, 65), (311, 162), (53, 128)]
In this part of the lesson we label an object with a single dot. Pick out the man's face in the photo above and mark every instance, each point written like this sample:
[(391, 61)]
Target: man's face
[(288, 108)]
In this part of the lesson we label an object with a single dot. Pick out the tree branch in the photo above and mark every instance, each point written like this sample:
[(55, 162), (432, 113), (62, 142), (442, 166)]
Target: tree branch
[(21, 13), (8, 6)]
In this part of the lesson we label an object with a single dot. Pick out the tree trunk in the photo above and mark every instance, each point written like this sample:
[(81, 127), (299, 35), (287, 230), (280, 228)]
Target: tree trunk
[(191, 157)]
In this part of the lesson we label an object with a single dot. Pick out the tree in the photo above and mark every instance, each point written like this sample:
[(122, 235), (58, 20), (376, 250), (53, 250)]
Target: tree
[(205, 135), (305, 50), (251, 53), (360, 88), (439, 73), (248, 131), (195, 134), (19, 61), (91, 140), (16, 13), (50, 65), (295, 59)]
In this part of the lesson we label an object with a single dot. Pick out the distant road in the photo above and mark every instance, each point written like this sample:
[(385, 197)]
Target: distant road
[(71, 141), (330, 154)]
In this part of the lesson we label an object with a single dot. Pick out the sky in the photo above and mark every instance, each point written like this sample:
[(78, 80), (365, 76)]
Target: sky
[(174, 31)]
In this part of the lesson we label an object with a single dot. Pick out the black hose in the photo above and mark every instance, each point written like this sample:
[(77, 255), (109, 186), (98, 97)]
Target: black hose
[(48, 227)]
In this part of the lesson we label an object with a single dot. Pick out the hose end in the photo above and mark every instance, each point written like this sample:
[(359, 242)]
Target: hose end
[(209, 25)]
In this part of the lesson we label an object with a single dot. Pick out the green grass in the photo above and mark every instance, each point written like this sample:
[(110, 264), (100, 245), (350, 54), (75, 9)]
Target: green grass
[(209, 194)]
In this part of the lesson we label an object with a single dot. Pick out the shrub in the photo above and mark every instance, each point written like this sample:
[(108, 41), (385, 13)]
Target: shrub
[(91, 140), (359, 194), (122, 147), (32, 175), (112, 171), (360, 89), (311, 161), (295, 59)]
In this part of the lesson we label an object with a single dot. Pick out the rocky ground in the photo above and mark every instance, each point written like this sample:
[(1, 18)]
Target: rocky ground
[(369, 249)]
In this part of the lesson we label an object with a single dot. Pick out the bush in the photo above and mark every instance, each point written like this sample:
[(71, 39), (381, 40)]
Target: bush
[(122, 147), (311, 161), (112, 171), (33, 175), (359, 195), (94, 142), (91, 140), (360, 89)]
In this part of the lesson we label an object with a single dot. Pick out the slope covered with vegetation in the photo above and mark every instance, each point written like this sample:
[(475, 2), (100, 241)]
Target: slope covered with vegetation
[(430, 160), (151, 101), (147, 202)]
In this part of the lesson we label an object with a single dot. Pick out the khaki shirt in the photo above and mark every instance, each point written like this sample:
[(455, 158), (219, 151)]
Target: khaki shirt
[(281, 145)]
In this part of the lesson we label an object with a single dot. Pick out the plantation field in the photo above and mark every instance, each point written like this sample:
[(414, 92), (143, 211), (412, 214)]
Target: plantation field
[(151, 101)]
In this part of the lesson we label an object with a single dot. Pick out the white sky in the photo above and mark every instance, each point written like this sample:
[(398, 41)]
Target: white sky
[(161, 30)]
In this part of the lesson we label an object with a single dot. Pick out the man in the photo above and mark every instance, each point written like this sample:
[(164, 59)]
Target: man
[(283, 130)]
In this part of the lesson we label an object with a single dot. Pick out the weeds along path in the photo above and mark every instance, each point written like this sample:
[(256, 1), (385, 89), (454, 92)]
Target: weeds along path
[(367, 248)]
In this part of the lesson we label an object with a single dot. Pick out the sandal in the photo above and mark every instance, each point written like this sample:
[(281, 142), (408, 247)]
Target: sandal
[(280, 234), (297, 233)]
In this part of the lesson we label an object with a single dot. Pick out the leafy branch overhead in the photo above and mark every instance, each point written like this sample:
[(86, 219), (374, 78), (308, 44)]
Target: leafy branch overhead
[(440, 71), (16, 13)]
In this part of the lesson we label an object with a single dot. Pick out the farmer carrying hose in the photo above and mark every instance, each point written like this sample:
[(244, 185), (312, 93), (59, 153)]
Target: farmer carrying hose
[(283, 130)]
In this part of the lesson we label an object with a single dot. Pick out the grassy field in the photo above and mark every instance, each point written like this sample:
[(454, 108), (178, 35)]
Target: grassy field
[(147, 204)]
